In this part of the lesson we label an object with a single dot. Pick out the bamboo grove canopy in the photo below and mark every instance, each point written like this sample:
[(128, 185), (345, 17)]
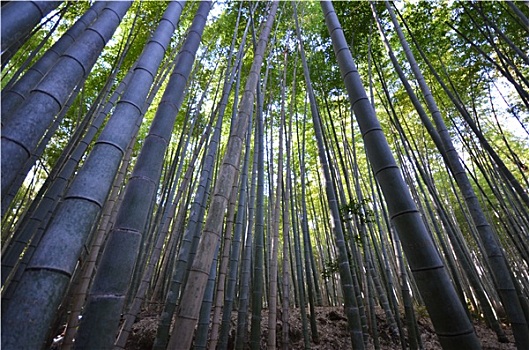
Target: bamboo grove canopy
[(203, 161)]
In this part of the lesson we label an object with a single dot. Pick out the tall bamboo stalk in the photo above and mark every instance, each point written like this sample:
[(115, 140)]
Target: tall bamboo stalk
[(448, 315), (192, 295)]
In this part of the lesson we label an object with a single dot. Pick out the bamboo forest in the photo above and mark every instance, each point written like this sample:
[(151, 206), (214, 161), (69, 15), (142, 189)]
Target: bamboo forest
[(265, 175)]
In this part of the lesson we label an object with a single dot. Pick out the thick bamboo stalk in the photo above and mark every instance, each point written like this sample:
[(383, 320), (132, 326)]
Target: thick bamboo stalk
[(21, 135), (447, 313)]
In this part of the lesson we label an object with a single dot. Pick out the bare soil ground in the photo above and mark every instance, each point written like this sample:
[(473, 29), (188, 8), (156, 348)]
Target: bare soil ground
[(332, 331)]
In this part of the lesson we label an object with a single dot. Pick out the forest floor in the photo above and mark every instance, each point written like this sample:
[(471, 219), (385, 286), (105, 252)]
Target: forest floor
[(333, 334)]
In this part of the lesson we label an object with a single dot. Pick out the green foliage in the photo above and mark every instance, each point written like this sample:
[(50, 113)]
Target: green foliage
[(330, 268), (358, 210)]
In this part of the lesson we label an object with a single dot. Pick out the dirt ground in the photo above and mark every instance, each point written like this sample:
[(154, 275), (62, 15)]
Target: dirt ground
[(333, 334)]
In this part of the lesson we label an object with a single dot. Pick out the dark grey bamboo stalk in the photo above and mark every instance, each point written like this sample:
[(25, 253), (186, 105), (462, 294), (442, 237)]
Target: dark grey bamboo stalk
[(105, 303), (275, 219), (19, 18), (448, 315), (84, 279), (56, 258), (201, 337), (298, 275), (40, 215), (462, 255), (7, 55), (21, 135), (235, 250), (56, 17), (234, 226), (286, 299), (491, 245), (13, 97), (258, 248), (523, 18), (135, 307)]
